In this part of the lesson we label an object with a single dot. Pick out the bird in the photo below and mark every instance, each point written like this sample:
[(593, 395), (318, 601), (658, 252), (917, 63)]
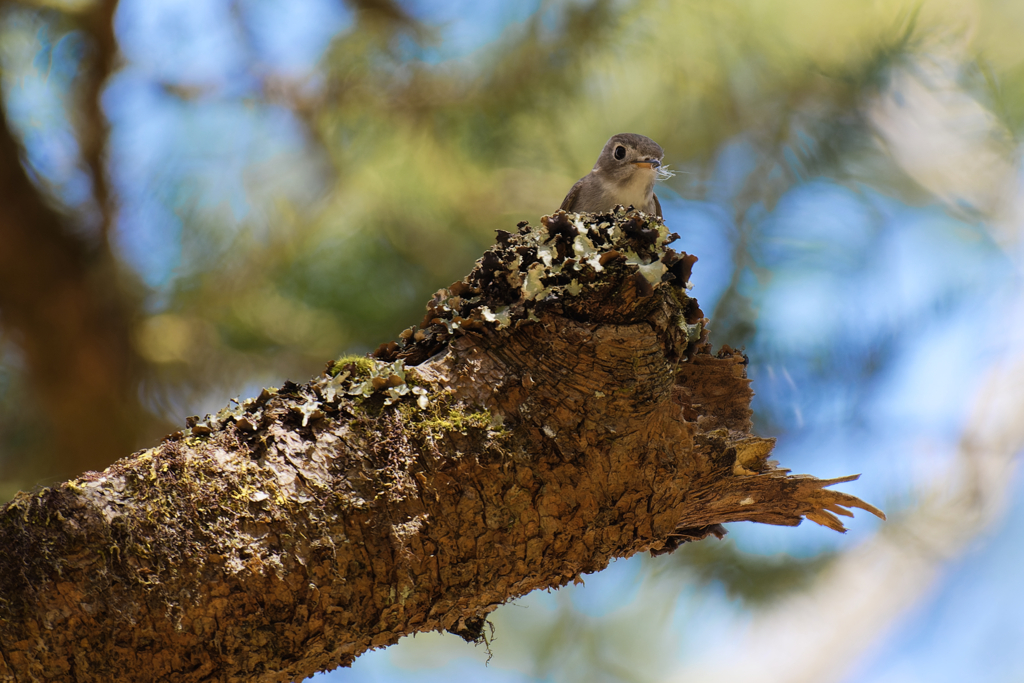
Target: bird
[(624, 174)]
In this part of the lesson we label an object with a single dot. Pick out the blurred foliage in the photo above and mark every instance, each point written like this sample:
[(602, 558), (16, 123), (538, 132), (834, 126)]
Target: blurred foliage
[(280, 216), (753, 579)]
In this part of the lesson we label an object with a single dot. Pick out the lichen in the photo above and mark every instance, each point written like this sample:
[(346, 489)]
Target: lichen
[(368, 377), (545, 267)]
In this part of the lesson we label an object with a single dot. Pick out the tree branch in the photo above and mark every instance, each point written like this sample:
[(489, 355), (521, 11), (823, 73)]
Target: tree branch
[(557, 408), (93, 132)]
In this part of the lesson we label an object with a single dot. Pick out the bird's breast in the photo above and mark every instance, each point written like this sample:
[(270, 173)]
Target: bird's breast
[(636, 190)]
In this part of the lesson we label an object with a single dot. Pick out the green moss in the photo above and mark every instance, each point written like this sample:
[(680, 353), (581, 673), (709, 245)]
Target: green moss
[(446, 416), (358, 366), (191, 505), (455, 421)]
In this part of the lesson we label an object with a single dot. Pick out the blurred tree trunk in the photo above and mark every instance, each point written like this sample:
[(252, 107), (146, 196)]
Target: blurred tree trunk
[(62, 304), (564, 409)]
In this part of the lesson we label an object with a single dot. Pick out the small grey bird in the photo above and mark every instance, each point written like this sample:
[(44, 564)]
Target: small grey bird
[(624, 174)]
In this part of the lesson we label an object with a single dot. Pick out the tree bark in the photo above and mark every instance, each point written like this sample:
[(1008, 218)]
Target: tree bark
[(557, 408)]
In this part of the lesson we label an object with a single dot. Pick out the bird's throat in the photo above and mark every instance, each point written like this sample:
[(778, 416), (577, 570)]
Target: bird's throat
[(637, 189)]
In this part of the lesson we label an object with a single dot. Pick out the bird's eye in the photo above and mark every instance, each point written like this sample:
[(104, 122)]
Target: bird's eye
[(620, 152)]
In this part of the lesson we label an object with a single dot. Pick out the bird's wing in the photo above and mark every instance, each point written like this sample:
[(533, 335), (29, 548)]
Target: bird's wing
[(657, 206), (570, 199)]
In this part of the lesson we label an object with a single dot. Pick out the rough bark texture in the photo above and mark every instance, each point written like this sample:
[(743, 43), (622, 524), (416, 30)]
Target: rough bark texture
[(558, 408)]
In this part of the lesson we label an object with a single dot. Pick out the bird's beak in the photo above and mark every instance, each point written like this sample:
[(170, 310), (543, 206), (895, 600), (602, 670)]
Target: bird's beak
[(650, 163)]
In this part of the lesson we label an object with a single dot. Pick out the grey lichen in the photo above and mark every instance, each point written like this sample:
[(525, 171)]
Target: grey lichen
[(361, 376), (548, 267)]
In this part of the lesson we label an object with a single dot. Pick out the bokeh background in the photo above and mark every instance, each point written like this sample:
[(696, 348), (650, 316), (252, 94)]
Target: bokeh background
[(233, 192)]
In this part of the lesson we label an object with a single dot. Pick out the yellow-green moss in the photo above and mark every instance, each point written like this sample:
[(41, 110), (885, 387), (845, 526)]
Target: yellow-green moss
[(359, 366), (446, 416)]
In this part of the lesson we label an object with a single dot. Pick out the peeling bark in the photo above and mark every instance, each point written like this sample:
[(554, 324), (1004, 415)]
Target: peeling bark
[(557, 408)]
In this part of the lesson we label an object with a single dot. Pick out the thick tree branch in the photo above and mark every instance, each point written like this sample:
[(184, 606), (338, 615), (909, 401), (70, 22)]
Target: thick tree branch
[(557, 408)]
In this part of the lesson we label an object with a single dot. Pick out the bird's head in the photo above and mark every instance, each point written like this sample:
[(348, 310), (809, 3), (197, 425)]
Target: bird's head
[(627, 154)]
